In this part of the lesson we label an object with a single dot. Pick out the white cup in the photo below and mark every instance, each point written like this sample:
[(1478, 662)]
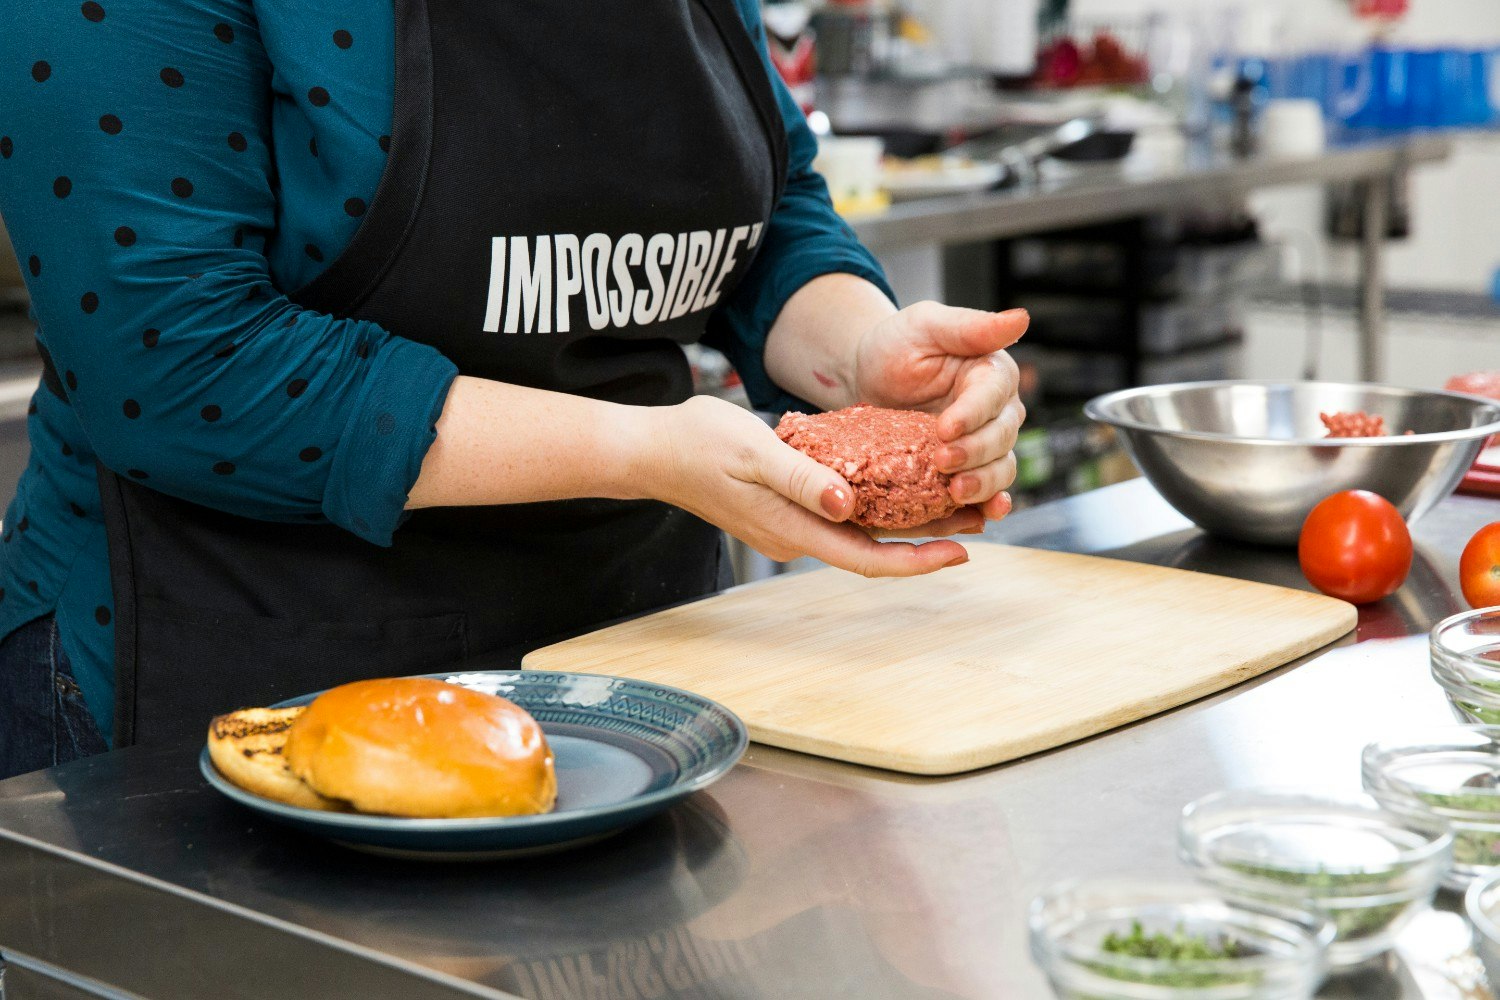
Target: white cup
[(850, 165), (1292, 127)]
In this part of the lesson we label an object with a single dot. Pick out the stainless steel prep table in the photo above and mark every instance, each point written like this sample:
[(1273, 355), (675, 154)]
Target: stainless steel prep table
[(792, 878), (1206, 177)]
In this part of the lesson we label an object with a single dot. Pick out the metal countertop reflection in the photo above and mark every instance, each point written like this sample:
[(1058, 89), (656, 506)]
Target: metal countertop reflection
[(794, 877)]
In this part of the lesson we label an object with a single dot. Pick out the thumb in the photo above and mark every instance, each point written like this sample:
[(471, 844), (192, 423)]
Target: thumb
[(971, 333), (806, 482)]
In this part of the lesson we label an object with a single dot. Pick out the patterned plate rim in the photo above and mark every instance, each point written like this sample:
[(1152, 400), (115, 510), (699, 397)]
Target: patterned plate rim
[(366, 821)]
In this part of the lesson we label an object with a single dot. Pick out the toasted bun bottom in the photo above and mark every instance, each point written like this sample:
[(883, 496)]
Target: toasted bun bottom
[(246, 746), (423, 748)]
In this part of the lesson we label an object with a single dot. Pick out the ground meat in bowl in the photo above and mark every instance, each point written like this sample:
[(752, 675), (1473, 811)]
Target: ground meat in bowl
[(886, 455)]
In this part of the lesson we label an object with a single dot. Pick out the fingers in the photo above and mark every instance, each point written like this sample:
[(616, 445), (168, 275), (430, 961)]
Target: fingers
[(986, 445), (805, 482), (981, 391), (849, 548), (978, 485), (965, 521), (997, 506), (969, 333)]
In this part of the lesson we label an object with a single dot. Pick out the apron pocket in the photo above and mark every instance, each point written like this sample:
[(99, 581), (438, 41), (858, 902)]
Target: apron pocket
[(240, 660)]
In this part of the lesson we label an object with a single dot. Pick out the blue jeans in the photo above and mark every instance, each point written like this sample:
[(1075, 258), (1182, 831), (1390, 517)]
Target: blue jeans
[(43, 720)]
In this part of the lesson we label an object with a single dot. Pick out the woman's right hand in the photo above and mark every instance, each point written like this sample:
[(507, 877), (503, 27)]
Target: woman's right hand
[(723, 464)]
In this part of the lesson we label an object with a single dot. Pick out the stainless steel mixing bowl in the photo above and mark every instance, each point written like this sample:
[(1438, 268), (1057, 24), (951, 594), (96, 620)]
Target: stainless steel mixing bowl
[(1248, 460)]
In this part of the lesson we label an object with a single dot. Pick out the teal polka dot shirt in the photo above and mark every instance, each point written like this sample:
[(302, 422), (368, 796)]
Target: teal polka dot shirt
[(169, 170)]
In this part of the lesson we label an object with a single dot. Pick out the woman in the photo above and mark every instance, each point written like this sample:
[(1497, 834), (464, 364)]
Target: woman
[(361, 365)]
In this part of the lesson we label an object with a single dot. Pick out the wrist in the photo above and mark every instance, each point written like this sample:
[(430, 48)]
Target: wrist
[(632, 438)]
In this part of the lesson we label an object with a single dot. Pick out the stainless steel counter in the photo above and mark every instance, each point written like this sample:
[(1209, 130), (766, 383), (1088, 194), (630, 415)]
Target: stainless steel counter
[(1205, 177), (794, 877)]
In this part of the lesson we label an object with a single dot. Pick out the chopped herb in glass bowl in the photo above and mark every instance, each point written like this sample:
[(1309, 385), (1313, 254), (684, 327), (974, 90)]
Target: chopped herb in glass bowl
[(1367, 870), (1124, 939), (1451, 775)]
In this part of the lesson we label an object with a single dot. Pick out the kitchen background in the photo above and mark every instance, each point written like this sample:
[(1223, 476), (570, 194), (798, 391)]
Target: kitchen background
[(1262, 287)]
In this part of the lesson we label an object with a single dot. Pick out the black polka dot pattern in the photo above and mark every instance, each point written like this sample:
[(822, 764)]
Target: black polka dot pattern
[(7, 147), (101, 615), (182, 187), (237, 142), (343, 39), (239, 238), (110, 125), (150, 337), (312, 145), (172, 77), (34, 265), (224, 33), (71, 379), (77, 510), (385, 144), (93, 12), (210, 413), (132, 409), (41, 71), (313, 252), (296, 387), (33, 586), (67, 450), (62, 187), (225, 352), (318, 96), (224, 468), (355, 207), (89, 303), (385, 424), (310, 454), (23, 524), (363, 350), (125, 236)]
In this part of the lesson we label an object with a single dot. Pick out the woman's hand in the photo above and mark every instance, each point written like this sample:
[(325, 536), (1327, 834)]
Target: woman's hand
[(951, 362), (725, 465)]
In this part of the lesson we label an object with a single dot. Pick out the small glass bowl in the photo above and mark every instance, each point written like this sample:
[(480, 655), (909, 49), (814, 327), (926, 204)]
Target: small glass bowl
[(1284, 957), (1482, 904), (1451, 775), (1465, 653), (1367, 870)]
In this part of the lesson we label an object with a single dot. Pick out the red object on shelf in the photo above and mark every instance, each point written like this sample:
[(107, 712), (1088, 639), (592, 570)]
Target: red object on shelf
[(1385, 9), (1484, 479)]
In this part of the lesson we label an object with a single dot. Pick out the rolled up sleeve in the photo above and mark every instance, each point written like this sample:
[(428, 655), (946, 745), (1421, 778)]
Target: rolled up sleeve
[(138, 188)]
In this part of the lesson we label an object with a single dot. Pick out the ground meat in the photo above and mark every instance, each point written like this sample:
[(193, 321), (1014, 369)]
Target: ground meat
[(886, 455), (1353, 425)]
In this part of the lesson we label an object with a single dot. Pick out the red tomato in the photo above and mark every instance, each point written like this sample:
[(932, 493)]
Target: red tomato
[(1354, 545), (1479, 568)]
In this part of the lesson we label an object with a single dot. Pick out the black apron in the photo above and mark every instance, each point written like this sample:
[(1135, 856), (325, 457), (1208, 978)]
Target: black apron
[(571, 189)]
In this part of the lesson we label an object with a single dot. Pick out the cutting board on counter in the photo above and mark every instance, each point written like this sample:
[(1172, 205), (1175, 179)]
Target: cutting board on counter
[(1015, 652)]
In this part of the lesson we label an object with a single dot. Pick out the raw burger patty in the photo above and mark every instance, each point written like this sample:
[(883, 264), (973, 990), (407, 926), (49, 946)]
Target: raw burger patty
[(886, 455)]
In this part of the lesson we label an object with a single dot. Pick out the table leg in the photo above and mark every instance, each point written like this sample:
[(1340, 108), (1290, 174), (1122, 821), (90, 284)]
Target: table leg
[(1372, 347)]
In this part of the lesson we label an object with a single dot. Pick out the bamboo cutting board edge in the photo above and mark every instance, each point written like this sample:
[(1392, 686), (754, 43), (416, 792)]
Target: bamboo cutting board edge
[(797, 700)]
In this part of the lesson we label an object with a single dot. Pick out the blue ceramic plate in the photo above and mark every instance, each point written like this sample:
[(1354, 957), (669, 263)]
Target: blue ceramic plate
[(625, 750)]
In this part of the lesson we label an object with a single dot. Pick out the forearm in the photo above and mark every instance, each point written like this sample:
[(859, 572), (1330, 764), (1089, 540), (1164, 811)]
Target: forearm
[(810, 351), (499, 444)]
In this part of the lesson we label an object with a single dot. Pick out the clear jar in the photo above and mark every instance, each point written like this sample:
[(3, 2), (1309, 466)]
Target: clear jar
[(1368, 870), (1283, 951)]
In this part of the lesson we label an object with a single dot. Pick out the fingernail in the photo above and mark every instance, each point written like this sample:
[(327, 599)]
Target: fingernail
[(835, 501), (978, 530), (967, 486), (1007, 503), (957, 457), (959, 561)]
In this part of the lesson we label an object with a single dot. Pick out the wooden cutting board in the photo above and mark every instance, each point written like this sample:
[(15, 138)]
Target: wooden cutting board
[(1017, 651)]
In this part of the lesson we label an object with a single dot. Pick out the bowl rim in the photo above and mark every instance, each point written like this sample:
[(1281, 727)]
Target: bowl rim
[(1474, 909), (1445, 658), (1309, 933), (1380, 757), (1194, 850), (1096, 409)]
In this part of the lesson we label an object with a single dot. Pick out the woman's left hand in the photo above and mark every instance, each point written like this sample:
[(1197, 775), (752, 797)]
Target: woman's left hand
[(952, 362)]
